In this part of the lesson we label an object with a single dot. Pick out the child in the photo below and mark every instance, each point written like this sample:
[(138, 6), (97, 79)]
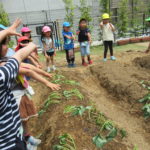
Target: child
[(10, 123), (25, 31), (49, 49), (27, 109), (84, 38), (108, 36), (68, 44), (22, 41)]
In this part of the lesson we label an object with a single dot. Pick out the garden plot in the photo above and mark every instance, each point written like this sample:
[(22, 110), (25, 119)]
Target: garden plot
[(107, 91)]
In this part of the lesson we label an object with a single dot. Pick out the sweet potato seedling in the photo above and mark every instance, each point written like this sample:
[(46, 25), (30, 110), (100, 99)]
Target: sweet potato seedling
[(146, 110), (146, 100), (53, 98), (100, 141), (74, 92), (60, 79), (123, 133), (66, 142), (76, 110)]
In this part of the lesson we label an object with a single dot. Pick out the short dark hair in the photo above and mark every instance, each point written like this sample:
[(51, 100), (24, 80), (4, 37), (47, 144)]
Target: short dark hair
[(83, 19)]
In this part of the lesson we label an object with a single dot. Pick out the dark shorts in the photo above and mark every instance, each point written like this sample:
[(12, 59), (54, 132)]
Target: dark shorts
[(20, 145), (50, 53)]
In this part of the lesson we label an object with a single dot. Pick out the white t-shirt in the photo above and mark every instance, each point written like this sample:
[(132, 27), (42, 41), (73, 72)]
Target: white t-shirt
[(49, 44), (107, 32)]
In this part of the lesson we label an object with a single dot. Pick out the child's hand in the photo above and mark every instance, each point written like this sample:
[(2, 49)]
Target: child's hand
[(55, 53), (46, 56), (101, 24), (90, 42), (54, 86), (49, 75), (12, 29)]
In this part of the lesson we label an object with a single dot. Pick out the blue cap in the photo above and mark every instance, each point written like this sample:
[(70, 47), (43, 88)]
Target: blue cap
[(3, 27), (66, 24)]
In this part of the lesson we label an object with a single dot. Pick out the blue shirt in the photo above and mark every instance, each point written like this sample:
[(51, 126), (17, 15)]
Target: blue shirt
[(68, 43)]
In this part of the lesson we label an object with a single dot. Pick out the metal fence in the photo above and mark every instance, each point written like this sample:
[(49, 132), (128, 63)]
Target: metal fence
[(40, 18)]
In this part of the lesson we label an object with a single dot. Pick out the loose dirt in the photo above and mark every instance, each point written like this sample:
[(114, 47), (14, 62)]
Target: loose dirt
[(114, 88)]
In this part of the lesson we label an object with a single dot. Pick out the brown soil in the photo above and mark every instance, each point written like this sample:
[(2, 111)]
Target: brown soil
[(114, 87), (143, 62)]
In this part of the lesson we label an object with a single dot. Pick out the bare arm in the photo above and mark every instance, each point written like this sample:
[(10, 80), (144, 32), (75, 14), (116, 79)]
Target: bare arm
[(33, 61), (24, 52), (112, 27), (89, 37), (37, 70), (101, 25), (39, 78), (69, 37), (11, 30)]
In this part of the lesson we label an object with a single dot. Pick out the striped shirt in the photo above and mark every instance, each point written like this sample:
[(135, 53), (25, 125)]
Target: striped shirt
[(9, 113)]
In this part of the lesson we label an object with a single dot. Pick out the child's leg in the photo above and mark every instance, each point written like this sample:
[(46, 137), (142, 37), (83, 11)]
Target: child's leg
[(25, 127), (110, 43), (52, 59), (105, 48), (47, 61), (67, 56), (88, 53), (82, 50), (73, 57)]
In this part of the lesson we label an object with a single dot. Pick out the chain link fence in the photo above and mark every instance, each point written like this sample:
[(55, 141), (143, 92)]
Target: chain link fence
[(41, 18)]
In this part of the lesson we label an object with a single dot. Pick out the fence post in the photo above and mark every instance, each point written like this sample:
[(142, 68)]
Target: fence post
[(143, 23), (59, 35)]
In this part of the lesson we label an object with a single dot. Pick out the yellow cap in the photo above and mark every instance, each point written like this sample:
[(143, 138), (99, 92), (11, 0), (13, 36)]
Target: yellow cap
[(105, 16)]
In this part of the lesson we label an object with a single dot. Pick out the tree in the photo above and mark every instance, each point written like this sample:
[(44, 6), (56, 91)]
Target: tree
[(138, 8), (85, 10), (3, 16), (105, 5), (123, 17), (69, 7)]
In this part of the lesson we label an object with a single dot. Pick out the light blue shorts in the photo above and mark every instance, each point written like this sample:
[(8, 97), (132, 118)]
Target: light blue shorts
[(85, 48)]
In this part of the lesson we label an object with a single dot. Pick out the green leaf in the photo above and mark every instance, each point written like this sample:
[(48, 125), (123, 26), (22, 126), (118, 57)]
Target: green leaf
[(69, 109), (112, 134), (108, 125), (41, 112), (146, 110), (99, 141), (58, 147), (123, 133)]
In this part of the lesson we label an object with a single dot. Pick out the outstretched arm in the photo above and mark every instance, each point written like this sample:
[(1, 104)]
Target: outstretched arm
[(11, 30), (36, 76), (37, 70), (24, 52)]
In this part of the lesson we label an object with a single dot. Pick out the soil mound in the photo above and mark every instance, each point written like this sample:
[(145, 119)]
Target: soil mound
[(143, 62), (120, 80)]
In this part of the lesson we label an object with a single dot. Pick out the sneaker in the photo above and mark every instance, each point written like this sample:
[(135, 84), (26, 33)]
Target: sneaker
[(73, 65), (90, 62), (30, 90), (69, 65), (33, 141), (54, 68), (84, 64), (48, 69), (113, 58), (105, 59)]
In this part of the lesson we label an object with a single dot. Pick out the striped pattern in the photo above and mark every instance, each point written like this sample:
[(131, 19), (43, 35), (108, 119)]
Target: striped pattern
[(9, 112)]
